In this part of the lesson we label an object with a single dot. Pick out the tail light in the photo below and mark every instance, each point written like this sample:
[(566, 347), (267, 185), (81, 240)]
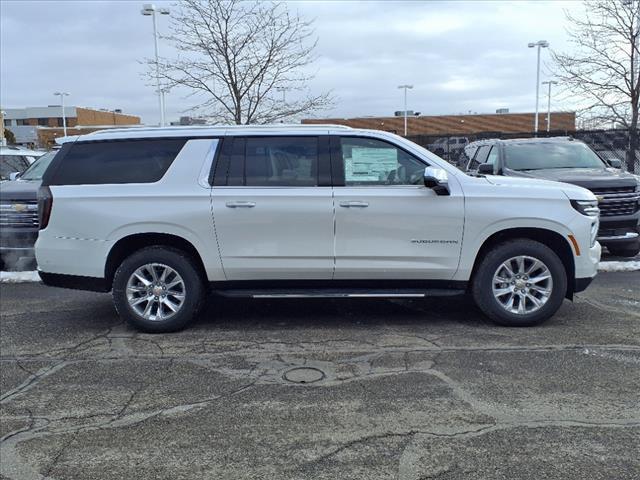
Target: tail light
[(45, 204)]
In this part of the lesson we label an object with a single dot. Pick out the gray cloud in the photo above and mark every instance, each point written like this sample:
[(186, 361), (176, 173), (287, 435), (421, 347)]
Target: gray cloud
[(460, 56)]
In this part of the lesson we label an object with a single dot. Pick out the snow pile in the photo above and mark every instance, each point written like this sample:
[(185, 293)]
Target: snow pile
[(18, 277), (612, 266)]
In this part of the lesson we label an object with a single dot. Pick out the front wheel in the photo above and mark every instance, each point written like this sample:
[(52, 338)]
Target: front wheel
[(158, 289), (520, 283)]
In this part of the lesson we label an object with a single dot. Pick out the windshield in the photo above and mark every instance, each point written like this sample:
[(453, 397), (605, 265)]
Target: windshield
[(540, 156), (37, 169)]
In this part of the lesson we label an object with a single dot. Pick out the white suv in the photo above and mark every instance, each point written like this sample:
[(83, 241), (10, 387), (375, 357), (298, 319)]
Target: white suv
[(161, 216)]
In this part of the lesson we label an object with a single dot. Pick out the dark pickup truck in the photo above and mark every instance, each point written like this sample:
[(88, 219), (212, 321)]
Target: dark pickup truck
[(564, 159), (19, 216)]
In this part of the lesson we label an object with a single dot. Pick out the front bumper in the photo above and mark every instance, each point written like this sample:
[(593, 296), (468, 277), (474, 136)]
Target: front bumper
[(17, 249), (581, 284), (619, 229)]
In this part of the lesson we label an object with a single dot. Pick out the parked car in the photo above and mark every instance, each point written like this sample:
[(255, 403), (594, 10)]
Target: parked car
[(160, 216), (567, 160), (14, 160), (19, 216)]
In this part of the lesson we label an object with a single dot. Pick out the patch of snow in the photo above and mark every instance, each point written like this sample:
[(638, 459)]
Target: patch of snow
[(612, 266), (19, 277)]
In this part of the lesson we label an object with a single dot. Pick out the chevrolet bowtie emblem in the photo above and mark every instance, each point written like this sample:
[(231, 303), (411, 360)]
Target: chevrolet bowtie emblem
[(600, 198), (19, 207)]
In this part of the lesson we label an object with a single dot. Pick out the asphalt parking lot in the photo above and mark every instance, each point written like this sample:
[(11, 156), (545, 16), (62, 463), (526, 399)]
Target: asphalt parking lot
[(392, 390)]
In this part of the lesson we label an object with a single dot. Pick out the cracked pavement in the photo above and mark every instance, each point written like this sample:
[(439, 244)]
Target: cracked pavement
[(410, 390)]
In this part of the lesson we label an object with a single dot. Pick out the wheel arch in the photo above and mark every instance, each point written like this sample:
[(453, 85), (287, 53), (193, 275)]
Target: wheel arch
[(134, 242), (555, 241)]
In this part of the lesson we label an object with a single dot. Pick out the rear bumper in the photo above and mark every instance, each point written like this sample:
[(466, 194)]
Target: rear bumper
[(74, 282)]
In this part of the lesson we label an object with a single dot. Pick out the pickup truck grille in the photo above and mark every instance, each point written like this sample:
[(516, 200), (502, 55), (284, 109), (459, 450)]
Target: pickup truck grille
[(617, 201), (19, 214)]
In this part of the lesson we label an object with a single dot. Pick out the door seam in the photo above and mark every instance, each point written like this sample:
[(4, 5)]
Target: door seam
[(333, 202)]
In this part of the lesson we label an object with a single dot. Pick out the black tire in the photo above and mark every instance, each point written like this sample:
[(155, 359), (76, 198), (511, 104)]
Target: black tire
[(482, 283), (183, 264), (624, 250)]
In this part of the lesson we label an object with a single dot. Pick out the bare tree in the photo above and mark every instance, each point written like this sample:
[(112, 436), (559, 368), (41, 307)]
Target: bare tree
[(239, 59), (604, 67)]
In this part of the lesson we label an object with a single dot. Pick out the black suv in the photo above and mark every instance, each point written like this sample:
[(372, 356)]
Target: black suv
[(564, 159)]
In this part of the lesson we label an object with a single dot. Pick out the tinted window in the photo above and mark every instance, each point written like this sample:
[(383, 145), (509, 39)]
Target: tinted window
[(37, 169), (466, 155), (374, 162), (277, 161), (539, 156), (483, 153), (10, 164), (493, 156), (131, 161)]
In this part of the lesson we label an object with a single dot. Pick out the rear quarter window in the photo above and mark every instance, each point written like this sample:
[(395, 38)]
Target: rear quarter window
[(126, 161)]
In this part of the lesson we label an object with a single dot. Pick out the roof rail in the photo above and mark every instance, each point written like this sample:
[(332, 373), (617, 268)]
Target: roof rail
[(275, 126)]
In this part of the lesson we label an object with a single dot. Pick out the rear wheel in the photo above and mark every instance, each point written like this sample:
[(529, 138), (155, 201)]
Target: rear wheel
[(158, 289), (520, 283)]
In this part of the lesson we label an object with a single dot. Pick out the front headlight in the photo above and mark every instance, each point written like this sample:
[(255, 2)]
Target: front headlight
[(586, 207)]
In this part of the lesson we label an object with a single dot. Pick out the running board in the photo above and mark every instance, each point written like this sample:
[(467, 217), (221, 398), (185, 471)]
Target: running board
[(332, 293)]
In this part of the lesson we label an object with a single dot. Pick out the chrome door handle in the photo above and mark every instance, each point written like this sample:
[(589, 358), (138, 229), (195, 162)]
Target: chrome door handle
[(355, 204), (241, 204)]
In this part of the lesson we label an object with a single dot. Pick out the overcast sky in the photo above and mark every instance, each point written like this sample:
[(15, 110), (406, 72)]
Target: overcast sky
[(460, 56)]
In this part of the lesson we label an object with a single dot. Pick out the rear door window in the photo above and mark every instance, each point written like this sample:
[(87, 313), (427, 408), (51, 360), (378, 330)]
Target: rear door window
[(121, 161), (281, 161)]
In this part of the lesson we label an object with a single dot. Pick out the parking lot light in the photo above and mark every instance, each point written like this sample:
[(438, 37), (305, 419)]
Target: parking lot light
[(406, 87), (64, 118), (540, 44), (149, 9), (550, 82)]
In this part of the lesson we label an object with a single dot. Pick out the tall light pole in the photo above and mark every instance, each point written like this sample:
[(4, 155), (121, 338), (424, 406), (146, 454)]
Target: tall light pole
[(405, 87), (540, 44), (3, 142), (550, 82), (149, 9), (64, 118)]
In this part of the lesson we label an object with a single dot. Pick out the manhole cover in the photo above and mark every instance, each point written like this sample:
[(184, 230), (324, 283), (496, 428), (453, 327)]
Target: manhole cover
[(303, 375)]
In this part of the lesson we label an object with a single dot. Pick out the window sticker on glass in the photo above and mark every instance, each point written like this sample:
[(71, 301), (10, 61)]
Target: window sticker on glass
[(370, 164)]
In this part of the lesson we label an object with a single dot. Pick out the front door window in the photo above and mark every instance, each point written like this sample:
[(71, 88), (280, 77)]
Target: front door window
[(374, 162)]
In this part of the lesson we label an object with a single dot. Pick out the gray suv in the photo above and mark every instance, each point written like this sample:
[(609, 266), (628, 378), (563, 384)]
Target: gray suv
[(564, 159)]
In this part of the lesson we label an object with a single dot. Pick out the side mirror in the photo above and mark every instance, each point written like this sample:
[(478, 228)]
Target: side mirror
[(615, 163), (437, 180), (14, 176), (485, 169)]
